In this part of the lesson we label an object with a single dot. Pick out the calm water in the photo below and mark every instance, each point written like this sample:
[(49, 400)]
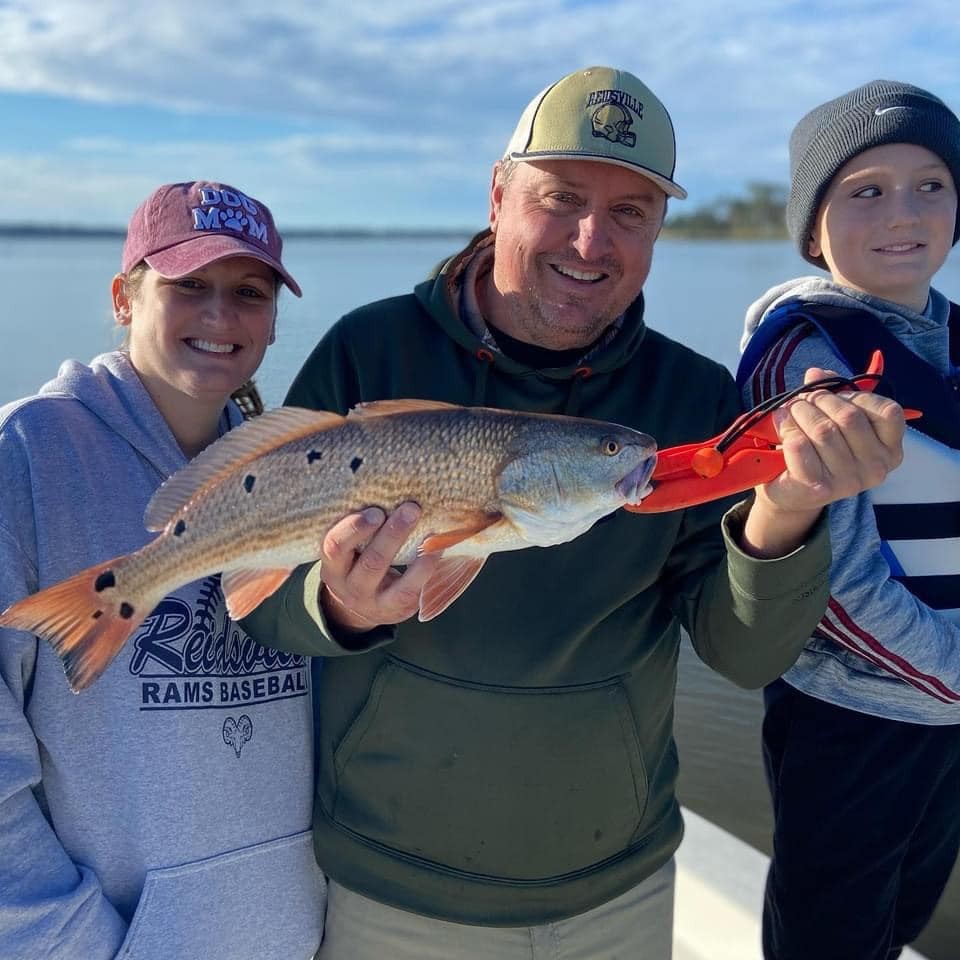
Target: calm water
[(56, 305)]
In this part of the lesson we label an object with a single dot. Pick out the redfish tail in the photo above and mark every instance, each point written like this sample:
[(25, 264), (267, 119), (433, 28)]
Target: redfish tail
[(82, 620)]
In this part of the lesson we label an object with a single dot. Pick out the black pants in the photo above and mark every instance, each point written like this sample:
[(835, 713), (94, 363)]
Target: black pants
[(866, 828)]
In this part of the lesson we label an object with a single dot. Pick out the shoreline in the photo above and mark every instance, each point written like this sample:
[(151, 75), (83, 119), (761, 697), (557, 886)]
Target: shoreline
[(44, 231)]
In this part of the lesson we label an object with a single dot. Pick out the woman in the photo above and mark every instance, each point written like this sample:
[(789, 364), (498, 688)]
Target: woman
[(165, 811)]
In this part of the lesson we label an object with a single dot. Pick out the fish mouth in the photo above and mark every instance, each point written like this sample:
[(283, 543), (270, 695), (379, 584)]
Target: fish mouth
[(636, 484)]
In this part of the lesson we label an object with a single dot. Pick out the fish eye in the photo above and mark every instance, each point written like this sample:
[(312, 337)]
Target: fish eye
[(610, 446)]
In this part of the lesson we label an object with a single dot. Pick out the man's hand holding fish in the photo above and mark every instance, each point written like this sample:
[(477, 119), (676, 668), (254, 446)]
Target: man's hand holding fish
[(360, 587)]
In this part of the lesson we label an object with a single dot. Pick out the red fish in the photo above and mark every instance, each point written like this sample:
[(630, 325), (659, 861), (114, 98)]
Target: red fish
[(258, 502)]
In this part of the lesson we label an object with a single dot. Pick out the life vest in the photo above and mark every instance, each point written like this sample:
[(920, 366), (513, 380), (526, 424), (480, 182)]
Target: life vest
[(917, 507)]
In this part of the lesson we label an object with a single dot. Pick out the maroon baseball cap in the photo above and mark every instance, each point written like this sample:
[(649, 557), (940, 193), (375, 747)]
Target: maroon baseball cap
[(182, 227)]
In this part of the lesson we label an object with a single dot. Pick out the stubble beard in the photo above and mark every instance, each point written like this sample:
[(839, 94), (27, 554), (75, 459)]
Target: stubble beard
[(559, 326), (528, 315)]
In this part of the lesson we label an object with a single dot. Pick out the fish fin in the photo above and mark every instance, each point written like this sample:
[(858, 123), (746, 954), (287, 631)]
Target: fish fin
[(436, 542), (244, 443), (83, 625), (381, 408), (244, 590), (452, 576)]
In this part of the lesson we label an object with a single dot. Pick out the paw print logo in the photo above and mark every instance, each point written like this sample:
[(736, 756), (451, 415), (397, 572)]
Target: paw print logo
[(237, 732), (233, 219)]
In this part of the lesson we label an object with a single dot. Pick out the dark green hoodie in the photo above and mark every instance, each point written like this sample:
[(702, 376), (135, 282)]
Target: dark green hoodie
[(512, 762)]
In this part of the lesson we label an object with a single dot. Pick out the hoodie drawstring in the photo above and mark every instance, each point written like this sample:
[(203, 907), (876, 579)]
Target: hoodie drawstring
[(485, 363), (572, 407), (480, 383)]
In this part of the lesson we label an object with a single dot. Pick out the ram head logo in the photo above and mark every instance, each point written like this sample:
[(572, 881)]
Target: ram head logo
[(237, 732)]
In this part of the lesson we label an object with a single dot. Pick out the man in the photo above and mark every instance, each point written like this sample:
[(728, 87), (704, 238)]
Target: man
[(499, 781)]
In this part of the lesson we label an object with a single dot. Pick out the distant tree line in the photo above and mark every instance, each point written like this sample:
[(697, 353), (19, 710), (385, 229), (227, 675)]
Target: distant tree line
[(757, 216)]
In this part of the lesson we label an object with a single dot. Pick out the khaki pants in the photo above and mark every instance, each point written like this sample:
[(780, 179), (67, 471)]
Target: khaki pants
[(637, 925)]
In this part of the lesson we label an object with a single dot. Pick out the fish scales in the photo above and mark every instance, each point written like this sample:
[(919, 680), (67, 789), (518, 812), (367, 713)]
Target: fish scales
[(447, 464)]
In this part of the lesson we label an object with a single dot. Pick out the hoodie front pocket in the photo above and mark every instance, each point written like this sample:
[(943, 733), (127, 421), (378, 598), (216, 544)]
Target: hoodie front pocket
[(263, 901), (520, 784)]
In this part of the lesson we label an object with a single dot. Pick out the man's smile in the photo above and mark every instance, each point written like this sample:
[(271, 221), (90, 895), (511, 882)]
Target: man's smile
[(590, 276)]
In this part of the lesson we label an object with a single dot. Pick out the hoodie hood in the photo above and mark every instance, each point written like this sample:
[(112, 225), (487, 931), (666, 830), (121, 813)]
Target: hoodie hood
[(110, 388), (924, 333), (441, 294)]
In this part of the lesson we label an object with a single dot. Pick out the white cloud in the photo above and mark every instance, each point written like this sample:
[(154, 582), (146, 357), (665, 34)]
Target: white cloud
[(384, 93), (324, 59), (327, 180)]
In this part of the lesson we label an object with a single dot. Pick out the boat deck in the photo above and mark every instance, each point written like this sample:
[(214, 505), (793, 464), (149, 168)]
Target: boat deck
[(720, 896)]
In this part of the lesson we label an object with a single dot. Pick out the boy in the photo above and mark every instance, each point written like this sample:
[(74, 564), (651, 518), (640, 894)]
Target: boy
[(862, 736)]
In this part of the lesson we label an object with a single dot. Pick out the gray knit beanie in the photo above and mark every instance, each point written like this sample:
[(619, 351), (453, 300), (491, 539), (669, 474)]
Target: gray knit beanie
[(879, 112)]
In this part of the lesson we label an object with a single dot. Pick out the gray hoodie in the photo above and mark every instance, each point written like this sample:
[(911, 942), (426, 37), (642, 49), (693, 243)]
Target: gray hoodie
[(164, 811), (878, 649)]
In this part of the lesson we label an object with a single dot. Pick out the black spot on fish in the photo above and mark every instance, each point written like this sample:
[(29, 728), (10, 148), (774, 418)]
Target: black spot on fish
[(179, 528), (313, 455), (355, 463), (126, 611), (248, 481), (105, 581), (97, 614)]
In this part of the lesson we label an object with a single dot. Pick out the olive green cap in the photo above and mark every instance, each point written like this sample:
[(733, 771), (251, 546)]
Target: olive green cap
[(600, 114)]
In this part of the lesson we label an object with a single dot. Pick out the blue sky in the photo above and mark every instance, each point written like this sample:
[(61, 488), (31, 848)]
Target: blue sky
[(389, 113)]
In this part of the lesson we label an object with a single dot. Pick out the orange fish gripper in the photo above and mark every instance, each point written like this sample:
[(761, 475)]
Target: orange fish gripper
[(746, 454)]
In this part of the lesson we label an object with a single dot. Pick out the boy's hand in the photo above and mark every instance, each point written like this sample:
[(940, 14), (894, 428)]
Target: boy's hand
[(835, 446)]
